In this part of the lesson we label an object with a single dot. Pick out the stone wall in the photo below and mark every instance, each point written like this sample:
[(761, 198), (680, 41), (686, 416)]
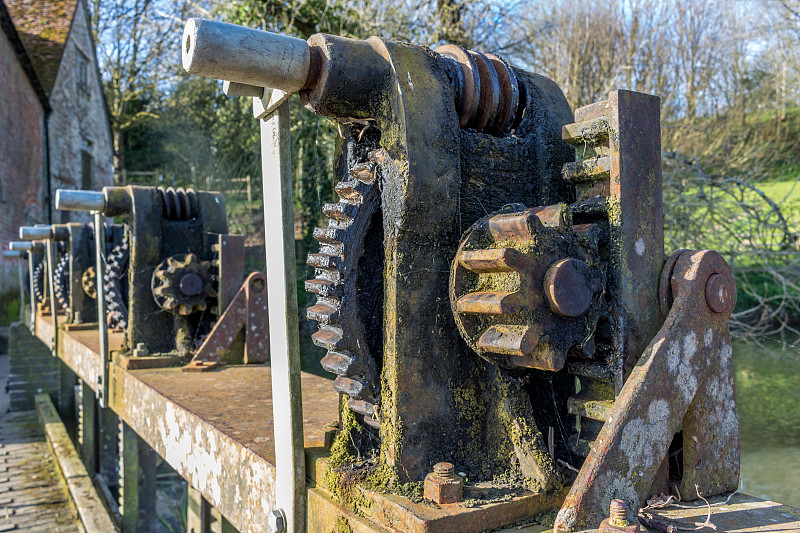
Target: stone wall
[(80, 139), (32, 369)]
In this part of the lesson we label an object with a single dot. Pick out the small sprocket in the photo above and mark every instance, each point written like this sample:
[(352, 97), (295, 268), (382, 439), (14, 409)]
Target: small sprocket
[(115, 280), (61, 282), (526, 287), (183, 284), (89, 282)]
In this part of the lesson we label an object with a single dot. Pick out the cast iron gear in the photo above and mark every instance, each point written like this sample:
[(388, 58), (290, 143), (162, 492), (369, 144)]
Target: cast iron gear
[(115, 280), (348, 282), (61, 282), (38, 281), (183, 284), (89, 282), (526, 287)]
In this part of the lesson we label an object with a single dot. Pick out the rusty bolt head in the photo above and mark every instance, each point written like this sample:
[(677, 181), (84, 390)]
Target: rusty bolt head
[(617, 522), (719, 295), (443, 485), (568, 288)]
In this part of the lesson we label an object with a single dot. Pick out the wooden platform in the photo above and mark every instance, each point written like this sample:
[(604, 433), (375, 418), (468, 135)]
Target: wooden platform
[(32, 496), (215, 428)]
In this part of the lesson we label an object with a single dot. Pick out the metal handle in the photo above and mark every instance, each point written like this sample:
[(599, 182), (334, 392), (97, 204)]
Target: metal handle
[(245, 56), (35, 233), (69, 200), (21, 246), (102, 325)]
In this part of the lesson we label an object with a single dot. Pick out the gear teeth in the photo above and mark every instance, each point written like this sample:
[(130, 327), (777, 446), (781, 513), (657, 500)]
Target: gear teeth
[(337, 363), (330, 235), (328, 337), (367, 409), (322, 313), (353, 191), (364, 172), (340, 211), (353, 388), (324, 288), (323, 261)]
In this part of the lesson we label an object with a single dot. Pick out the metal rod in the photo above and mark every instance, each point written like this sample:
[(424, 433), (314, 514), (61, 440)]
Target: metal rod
[(35, 233), (102, 324), (51, 286), (21, 272), (69, 200), (287, 395), (21, 246), (244, 55)]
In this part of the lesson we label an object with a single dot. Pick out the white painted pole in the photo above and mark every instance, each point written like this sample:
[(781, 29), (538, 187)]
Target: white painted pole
[(102, 325), (290, 492), (51, 285)]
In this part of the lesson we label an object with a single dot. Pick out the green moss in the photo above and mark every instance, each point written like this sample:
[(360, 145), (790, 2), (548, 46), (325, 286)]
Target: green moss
[(342, 526)]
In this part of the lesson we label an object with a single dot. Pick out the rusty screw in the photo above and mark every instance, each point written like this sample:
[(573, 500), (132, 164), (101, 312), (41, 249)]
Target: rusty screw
[(718, 293), (617, 522), (443, 485)]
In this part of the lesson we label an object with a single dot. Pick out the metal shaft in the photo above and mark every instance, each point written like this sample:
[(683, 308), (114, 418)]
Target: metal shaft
[(69, 200), (245, 56), (35, 233), (21, 273), (31, 295), (20, 246), (102, 325)]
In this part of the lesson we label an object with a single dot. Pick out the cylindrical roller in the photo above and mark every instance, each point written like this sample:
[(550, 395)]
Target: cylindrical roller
[(13, 254), (35, 233), (244, 55), (68, 200), (20, 246)]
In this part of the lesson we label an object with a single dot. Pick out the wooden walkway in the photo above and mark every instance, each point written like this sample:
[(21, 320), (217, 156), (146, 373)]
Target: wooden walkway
[(32, 496)]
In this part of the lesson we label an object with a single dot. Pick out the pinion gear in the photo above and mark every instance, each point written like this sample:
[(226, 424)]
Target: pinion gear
[(38, 281), (89, 282), (348, 282), (526, 287), (182, 284)]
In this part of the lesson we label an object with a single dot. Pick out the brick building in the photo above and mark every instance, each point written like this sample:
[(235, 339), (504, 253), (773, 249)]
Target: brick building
[(54, 129)]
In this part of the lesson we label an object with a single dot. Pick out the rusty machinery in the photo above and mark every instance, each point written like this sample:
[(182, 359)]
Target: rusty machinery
[(174, 282), (486, 298), (74, 276)]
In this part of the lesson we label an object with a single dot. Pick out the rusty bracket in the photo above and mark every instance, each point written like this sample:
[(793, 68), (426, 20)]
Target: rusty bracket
[(247, 311), (683, 381)]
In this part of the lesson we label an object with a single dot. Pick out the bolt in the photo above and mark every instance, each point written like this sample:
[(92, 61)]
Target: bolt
[(718, 293), (276, 521), (141, 350), (444, 470), (618, 514), (618, 522), (257, 285), (443, 485)]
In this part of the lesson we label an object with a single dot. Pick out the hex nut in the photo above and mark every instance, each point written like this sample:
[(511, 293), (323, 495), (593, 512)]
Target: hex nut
[(447, 488), (276, 521)]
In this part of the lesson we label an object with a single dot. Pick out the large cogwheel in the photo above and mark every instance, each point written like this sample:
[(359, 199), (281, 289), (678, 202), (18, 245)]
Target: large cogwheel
[(183, 284), (348, 282), (61, 279), (114, 282)]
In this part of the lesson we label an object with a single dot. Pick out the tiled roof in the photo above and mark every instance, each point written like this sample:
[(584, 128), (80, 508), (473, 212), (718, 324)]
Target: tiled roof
[(43, 27)]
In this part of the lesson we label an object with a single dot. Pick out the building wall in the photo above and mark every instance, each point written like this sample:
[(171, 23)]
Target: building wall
[(80, 144), (22, 169)]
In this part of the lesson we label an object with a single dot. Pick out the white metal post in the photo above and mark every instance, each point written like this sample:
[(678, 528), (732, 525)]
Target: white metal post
[(20, 269), (102, 325), (51, 286), (283, 321), (31, 293)]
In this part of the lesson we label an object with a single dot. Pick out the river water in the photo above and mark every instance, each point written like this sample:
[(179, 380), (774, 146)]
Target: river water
[(768, 397)]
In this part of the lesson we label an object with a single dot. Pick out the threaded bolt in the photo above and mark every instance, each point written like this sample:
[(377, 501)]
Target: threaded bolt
[(618, 514), (444, 470)]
